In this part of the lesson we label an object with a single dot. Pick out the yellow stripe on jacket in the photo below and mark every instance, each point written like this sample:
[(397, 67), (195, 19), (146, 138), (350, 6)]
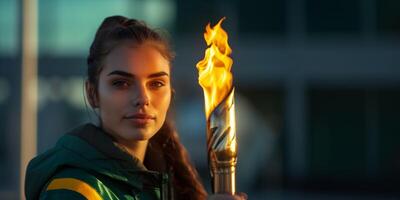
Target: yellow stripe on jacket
[(75, 185)]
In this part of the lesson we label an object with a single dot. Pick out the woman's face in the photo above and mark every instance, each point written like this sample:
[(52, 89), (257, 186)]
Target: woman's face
[(134, 92)]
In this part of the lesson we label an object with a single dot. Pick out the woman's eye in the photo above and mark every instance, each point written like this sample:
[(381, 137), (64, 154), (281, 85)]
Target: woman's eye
[(120, 84), (156, 84)]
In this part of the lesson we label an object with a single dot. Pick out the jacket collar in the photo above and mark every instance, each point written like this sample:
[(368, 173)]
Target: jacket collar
[(97, 146), (104, 143)]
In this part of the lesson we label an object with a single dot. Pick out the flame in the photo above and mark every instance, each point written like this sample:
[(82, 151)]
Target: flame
[(214, 70)]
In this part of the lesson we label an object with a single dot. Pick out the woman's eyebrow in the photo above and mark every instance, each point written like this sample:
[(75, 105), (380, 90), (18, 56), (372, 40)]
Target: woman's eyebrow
[(158, 74), (121, 73), (129, 75)]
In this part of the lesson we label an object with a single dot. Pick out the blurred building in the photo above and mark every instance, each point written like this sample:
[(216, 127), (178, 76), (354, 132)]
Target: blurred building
[(318, 86)]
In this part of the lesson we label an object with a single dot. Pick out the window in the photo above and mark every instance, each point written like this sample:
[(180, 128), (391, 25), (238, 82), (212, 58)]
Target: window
[(68, 27), (388, 14), (337, 134), (333, 16), (9, 30), (262, 17)]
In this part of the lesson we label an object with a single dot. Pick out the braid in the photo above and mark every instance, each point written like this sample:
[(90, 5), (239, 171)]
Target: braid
[(185, 177)]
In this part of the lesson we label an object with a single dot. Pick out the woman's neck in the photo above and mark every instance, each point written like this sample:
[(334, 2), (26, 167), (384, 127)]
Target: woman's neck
[(135, 148)]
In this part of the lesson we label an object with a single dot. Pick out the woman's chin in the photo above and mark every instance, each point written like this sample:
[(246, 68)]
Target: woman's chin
[(141, 134), (139, 131)]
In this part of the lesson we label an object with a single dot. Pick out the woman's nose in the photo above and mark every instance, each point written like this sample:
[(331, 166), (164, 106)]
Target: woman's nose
[(141, 97)]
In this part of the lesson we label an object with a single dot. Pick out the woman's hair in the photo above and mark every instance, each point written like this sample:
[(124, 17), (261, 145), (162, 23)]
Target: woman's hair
[(165, 152)]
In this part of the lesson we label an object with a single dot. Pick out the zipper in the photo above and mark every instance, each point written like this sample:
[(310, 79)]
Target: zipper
[(166, 187)]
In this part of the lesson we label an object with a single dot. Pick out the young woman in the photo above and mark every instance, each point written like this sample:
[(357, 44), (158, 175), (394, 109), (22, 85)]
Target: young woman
[(135, 152)]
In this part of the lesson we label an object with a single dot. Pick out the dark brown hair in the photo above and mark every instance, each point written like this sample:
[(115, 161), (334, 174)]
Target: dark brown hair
[(165, 152)]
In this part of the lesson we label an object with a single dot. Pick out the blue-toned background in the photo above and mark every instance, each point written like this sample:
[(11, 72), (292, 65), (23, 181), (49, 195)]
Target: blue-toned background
[(317, 82)]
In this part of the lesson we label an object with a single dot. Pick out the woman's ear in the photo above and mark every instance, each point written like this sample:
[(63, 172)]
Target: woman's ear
[(173, 93), (91, 94)]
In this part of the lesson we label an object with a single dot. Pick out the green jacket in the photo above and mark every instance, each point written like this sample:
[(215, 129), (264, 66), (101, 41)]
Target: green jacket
[(85, 164)]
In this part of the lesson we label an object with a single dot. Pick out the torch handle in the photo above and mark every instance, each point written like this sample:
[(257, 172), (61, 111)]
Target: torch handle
[(222, 146), (224, 181)]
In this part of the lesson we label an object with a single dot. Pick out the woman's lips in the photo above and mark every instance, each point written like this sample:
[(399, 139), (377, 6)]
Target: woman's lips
[(140, 119)]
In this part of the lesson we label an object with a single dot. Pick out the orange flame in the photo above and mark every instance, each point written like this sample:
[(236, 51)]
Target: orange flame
[(214, 70)]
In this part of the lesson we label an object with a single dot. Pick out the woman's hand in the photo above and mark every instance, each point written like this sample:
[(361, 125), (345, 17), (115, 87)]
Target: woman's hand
[(238, 196)]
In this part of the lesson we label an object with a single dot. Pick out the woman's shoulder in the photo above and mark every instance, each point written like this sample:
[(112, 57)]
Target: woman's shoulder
[(76, 183)]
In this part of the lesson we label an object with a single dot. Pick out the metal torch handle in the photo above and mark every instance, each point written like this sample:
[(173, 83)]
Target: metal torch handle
[(222, 146)]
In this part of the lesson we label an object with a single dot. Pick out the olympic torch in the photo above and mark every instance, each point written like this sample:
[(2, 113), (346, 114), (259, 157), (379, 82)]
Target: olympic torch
[(216, 80)]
